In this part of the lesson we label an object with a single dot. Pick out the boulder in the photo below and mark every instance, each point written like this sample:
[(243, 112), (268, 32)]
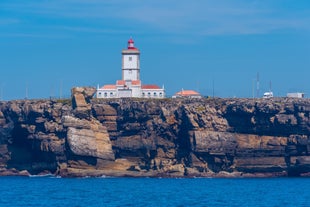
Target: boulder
[(92, 140), (80, 101)]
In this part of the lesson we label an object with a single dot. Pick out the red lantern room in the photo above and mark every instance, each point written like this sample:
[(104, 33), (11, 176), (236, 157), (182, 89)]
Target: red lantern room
[(131, 44)]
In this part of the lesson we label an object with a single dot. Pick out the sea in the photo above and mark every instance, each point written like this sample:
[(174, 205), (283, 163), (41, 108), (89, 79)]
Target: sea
[(108, 191)]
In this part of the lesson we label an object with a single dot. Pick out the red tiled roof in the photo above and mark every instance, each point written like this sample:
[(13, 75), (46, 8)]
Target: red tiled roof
[(123, 82), (187, 93), (150, 87), (120, 82), (136, 82), (109, 87)]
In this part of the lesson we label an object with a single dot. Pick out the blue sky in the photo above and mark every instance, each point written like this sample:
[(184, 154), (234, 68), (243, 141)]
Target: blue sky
[(50, 46)]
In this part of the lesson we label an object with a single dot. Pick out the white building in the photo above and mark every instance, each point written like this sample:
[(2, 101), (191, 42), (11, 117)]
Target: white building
[(295, 95), (130, 85), (268, 94), (187, 94)]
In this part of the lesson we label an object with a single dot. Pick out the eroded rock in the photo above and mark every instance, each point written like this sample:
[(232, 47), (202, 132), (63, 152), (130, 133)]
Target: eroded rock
[(170, 137), (90, 142)]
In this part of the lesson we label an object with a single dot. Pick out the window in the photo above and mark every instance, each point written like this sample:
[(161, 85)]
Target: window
[(111, 94), (149, 94), (155, 94), (130, 58), (160, 94), (105, 94), (143, 94)]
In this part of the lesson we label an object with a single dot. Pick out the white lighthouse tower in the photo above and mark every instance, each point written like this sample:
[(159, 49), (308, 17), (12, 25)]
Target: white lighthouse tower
[(130, 62), (130, 85)]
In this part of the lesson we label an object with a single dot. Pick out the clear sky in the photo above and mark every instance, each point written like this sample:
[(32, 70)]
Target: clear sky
[(213, 46)]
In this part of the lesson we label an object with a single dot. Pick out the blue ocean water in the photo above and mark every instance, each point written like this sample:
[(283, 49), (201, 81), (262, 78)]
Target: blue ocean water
[(50, 191)]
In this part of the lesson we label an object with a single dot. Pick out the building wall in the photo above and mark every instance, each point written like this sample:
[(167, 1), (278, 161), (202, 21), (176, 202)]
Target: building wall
[(136, 91), (131, 66), (190, 97), (124, 93), (131, 74), (106, 93), (153, 93), (295, 95), (131, 61), (132, 91)]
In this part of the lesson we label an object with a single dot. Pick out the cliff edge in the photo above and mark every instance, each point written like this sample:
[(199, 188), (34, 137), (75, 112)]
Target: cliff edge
[(142, 137)]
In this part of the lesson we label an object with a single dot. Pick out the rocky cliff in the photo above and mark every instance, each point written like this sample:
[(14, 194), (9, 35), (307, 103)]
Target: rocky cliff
[(169, 137)]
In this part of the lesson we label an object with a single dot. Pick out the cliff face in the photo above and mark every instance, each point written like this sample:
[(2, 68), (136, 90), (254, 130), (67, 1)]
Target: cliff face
[(139, 137)]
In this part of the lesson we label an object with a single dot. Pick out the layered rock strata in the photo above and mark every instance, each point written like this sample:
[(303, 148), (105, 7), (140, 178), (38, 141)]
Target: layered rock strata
[(141, 137)]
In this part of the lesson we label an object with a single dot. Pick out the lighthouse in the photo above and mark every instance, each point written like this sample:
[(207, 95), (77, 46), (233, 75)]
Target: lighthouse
[(130, 85), (130, 62)]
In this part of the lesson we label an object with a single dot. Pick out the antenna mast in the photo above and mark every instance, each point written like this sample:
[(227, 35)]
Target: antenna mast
[(26, 92), (253, 88), (257, 85), (60, 90), (213, 88), (1, 92), (270, 89)]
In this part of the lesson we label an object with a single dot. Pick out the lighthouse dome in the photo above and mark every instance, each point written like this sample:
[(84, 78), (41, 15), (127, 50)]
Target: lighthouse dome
[(131, 44)]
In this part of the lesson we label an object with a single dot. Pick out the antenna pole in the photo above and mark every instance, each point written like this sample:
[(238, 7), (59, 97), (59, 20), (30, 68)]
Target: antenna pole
[(26, 92), (213, 88), (253, 86), (198, 86), (1, 92), (51, 92), (270, 89), (60, 90), (257, 86)]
